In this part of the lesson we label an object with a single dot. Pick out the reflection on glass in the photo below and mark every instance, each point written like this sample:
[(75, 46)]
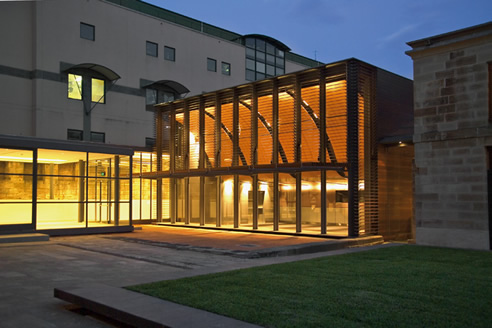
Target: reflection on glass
[(287, 202), (98, 91), (75, 86), (227, 201), (181, 200), (210, 203), (245, 201), (194, 199), (265, 202), (311, 202), (15, 186)]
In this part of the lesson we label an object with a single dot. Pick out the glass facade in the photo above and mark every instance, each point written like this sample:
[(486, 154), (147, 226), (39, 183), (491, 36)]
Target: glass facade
[(288, 154), (56, 189)]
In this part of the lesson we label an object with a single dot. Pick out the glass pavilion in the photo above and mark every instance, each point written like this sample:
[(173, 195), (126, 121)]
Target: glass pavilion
[(295, 154)]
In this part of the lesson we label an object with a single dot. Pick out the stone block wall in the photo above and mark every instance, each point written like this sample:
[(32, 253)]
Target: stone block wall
[(452, 133)]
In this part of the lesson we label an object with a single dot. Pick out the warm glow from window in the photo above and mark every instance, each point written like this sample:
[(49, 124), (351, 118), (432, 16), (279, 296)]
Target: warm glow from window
[(228, 187), (28, 159), (246, 186), (98, 91), (306, 186), (287, 187), (74, 86), (333, 186), (264, 186)]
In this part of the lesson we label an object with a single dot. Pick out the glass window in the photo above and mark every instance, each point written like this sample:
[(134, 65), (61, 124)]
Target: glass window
[(154, 96), (279, 62), (169, 53), (164, 96), (260, 67), (250, 53), (149, 142), (250, 42), (150, 96), (250, 75), (74, 134), (151, 49), (87, 31), (75, 86), (260, 56), (226, 68), (260, 45), (250, 64), (263, 59), (98, 91), (98, 137), (211, 65)]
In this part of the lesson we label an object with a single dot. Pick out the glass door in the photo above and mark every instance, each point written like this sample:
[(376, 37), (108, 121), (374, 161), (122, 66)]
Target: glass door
[(16, 189)]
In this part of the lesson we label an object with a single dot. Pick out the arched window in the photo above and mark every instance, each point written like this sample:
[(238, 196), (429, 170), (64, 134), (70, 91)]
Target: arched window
[(265, 57)]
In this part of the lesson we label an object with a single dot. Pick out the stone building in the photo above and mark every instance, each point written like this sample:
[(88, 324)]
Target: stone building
[(453, 137)]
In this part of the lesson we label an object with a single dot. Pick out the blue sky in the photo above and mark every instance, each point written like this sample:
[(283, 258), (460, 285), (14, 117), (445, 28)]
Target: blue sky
[(375, 31)]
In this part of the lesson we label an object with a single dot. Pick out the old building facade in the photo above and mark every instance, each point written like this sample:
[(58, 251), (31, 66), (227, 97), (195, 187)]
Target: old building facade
[(453, 137)]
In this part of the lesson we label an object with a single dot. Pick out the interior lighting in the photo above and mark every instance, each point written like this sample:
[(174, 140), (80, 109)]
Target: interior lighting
[(287, 187), (228, 187), (333, 186), (246, 186), (306, 186), (40, 160), (263, 186)]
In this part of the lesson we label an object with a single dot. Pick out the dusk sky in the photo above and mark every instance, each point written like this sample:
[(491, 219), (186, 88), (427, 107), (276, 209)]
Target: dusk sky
[(375, 31)]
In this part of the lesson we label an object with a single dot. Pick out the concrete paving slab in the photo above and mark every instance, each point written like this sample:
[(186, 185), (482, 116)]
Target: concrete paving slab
[(30, 271), (140, 310)]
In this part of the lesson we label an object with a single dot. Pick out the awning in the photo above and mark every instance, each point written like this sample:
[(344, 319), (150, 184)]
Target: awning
[(107, 73), (166, 85)]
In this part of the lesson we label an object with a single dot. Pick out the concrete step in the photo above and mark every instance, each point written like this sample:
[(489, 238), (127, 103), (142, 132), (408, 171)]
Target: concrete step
[(23, 238), (139, 310)]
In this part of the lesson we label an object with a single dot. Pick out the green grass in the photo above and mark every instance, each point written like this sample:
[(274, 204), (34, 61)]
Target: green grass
[(403, 286)]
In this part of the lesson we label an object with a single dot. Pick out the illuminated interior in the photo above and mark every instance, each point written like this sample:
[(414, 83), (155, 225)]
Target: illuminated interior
[(75, 88), (251, 157), (97, 91), (72, 189)]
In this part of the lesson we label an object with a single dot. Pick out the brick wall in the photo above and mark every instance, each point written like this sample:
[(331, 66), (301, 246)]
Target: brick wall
[(452, 131)]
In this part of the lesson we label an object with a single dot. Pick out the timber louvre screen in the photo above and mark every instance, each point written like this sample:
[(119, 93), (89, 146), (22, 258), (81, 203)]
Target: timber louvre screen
[(318, 125)]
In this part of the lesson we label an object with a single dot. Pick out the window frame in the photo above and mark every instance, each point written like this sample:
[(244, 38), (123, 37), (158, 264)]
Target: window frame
[(80, 135), (101, 100), (210, 61), (155, 45), (227, 71), (84, 26), (263, 54), (79, 86), (167, 51)]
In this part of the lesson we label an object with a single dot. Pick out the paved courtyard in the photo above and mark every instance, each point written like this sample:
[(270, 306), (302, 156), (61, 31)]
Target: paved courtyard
[(30, 271)]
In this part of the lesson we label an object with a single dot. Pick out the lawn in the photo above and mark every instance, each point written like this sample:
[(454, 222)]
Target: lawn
[(402, 286)]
